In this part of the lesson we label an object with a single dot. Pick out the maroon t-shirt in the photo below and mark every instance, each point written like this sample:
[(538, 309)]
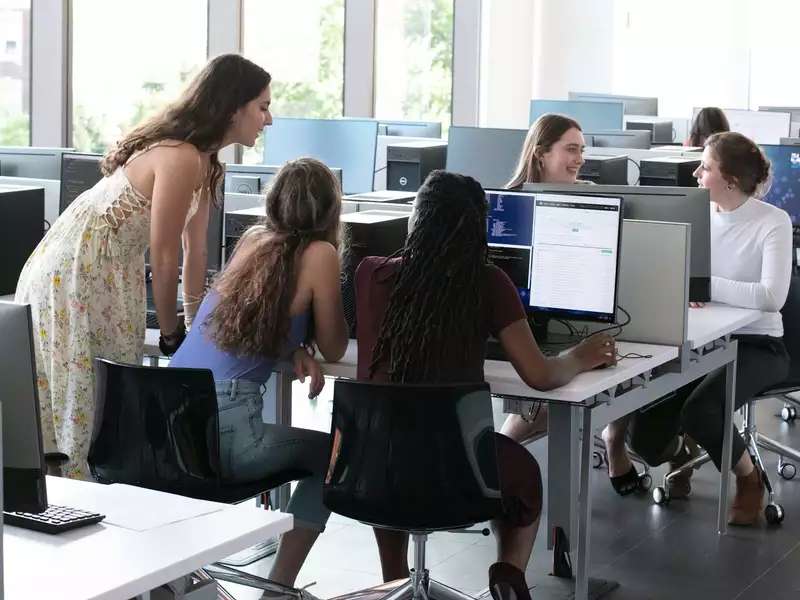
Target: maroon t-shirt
[(374, 284)]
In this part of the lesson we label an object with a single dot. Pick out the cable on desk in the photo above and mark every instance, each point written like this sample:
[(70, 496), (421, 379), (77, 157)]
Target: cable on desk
[(617, 326), (639, 169), (633, 355), (381, 169)]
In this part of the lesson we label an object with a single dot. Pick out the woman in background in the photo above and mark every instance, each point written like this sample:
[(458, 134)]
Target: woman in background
[(709, 120), (552, 152)]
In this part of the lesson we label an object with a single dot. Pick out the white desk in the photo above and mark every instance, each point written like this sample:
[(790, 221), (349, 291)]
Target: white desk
[(107, 562)]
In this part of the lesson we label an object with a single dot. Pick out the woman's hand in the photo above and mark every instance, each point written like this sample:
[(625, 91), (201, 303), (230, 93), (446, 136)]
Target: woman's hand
[(306, 365), (596, 350)]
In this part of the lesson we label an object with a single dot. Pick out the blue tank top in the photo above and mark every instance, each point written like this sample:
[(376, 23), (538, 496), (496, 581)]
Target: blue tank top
[(199, 351)]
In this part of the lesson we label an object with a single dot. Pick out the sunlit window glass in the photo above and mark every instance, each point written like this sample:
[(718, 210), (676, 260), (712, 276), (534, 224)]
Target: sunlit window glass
[(414, 60), (130, 59), (301, 44), (15, 69)]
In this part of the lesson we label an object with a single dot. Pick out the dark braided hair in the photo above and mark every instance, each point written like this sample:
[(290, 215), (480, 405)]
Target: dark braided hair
[(436, 306)]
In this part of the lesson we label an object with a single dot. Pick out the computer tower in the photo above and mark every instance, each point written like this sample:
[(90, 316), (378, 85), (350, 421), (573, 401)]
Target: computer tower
[(21, 230), (668, 170), (660, 130), (365, 233), (609, 170), (408, 164)]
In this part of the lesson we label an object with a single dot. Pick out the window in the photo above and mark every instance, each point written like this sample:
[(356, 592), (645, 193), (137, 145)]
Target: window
[(15, 69), (301, 44), (129, 59), (414, 60)]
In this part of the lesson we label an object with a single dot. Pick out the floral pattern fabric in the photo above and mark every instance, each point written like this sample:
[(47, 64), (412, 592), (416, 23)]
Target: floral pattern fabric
[(85, 284)]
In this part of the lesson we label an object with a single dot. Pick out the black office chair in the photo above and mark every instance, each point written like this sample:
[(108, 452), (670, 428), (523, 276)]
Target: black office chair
[(774, 512), (414, 458), (791, 337), (157, 428)]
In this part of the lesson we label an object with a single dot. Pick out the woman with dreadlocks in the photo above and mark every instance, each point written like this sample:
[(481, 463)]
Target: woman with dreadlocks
[(425, 317)]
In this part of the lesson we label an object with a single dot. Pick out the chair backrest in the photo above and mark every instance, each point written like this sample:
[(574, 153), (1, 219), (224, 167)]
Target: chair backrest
[(791, 330), (412, 457), (156, 428)]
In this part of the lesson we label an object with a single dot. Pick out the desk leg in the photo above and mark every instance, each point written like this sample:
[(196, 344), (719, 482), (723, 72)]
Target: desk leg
[(727, 445), (562, 469), (584, 508), (283, 408)]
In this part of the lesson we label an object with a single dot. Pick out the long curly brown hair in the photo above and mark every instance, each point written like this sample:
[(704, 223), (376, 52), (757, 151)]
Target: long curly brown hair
[(251, 318), (437, 302), (200, 116)]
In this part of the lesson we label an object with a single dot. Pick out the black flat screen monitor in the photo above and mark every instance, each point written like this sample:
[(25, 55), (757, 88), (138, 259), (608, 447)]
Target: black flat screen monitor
[(630, 138), (248, 179), (422, 129), (593, 115), (784, 192), (79, 172), (348, 144), (661, 203), (36, 163), (489, 155), (24, 487), (560, 251)]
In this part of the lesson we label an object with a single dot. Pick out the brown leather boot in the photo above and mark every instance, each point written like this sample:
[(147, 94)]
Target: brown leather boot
[(747, 504)]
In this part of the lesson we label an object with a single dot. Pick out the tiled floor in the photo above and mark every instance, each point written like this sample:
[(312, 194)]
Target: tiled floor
[(654, 552)]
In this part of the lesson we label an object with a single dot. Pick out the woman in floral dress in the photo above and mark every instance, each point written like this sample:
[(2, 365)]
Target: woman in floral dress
[(85, 281)]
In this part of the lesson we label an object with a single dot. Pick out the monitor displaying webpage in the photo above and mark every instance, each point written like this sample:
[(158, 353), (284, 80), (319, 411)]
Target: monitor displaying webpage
[(574, 254)]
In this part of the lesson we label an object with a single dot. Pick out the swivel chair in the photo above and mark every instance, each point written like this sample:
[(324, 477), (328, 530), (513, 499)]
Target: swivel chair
[(774, 512), (413, 458), (157, 428)]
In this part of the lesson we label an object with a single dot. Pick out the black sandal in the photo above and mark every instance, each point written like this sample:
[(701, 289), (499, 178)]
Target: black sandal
[(626, 484)]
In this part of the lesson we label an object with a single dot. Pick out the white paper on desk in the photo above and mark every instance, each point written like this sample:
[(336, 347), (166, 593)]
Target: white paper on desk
[(140, 509)]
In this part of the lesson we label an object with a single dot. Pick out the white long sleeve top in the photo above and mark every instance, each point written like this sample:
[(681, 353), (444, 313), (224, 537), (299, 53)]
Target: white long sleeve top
[(751, 261)]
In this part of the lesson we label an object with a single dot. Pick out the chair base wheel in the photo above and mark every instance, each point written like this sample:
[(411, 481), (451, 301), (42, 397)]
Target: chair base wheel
[(787, 470), (774, 514), (597, 459), (660, 495), (788, 413), (645, 481)]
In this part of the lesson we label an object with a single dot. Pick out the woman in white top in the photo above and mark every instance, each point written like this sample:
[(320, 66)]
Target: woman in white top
[(751, 265)]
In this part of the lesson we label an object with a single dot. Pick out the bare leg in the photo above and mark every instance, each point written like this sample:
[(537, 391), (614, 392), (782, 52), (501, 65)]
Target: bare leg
[(522, 431), (744, 466), (514, 544), (393, 550), (292, 552), (619, 463)]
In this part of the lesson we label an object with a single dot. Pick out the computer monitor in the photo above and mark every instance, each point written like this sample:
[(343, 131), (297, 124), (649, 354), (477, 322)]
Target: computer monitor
[(760, 126), (423, 129), (248, 179), (560, 251), (661, 203), (348, 144), (632, 105), (785, 189), (633, 138), (794, 112), (24, 470), (253, 179), (489, 155), (39, 163), (79, 172), (592, 116)]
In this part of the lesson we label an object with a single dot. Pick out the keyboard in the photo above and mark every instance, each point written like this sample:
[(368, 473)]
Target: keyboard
[(55, 519)]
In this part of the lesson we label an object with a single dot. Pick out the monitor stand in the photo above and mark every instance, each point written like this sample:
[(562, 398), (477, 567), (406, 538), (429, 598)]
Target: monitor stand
[(539, 322)]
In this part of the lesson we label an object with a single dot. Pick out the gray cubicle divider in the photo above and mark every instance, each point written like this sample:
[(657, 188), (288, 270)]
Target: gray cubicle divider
[(654, 281)]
